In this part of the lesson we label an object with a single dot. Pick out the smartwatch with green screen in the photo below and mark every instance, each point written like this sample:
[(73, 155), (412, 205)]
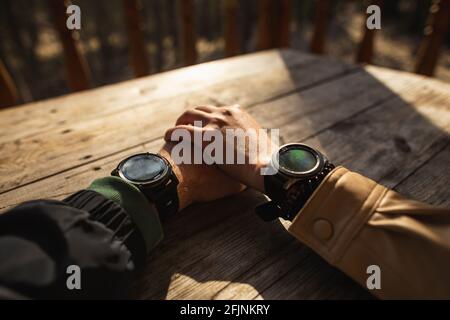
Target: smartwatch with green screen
[(299, 171)]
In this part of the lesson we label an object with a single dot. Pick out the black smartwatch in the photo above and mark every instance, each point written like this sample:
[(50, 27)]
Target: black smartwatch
[(299, 169), (154, 177)]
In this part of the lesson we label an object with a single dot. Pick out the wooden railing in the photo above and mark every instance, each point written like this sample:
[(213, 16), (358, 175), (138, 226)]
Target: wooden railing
[(273, 32)]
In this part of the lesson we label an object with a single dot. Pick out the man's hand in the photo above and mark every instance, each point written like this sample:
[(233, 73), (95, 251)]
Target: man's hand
[(200, 182), (230, 117)]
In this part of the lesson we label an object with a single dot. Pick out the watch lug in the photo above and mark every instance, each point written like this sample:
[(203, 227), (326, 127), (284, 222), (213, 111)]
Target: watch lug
[(173, 177), (115, 172), (288, 184)]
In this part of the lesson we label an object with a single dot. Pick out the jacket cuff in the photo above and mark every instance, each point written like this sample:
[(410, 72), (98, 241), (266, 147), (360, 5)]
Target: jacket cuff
[(336, 212), (144, 215)]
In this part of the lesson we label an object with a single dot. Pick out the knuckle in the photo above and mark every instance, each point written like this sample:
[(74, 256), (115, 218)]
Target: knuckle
[(228, 111), (220, 121)]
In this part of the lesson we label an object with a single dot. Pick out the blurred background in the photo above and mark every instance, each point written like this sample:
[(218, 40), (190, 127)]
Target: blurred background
[(32, 52)]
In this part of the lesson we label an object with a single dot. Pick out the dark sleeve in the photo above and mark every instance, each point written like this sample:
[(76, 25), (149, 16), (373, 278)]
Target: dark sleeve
[(44, 243)]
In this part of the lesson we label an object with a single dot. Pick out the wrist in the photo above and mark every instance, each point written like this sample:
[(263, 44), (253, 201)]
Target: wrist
[(298, 171), (184, 192), (263, 167)]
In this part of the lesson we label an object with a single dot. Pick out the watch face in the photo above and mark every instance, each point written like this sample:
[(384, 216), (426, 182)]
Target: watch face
[(298, 160), (143, 168)]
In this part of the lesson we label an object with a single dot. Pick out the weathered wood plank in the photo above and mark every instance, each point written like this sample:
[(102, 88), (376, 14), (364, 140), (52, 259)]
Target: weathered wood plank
[(58, 112), (138, 55), (231, 254), (387, 151), (284, 113), (430, 183), (275, 113), (193, 283), (61, 185), (307, 277), (91, 139), (311, 277)]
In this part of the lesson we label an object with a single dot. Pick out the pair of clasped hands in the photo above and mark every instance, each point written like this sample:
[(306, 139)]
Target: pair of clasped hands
[(203, 182)]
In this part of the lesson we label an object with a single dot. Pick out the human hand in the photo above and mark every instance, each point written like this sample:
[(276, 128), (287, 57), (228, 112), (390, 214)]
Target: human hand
[(200, 182), (231, 117)]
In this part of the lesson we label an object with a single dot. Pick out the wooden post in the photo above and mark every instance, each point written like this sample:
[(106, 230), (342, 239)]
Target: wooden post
[(188, 38), (8, 91), (232, 40), (264, 24), (320, 26), (138, 56), (434, 35), (159, 32), (283, 23), (273, 24), (77, 70), (365, 51)]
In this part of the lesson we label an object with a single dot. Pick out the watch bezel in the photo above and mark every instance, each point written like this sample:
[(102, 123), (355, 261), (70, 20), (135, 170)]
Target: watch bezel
[(320, 163), (155, 181)]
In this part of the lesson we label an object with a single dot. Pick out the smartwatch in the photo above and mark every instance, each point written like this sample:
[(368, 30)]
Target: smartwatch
[(152, 174), (299, 169)]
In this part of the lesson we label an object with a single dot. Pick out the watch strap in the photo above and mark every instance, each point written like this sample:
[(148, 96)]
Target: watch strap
[(167, 201), (165, 198), (287, 203)]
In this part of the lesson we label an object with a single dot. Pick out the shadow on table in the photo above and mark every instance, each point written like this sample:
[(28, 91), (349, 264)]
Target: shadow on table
[(222, 250), (209, 245)]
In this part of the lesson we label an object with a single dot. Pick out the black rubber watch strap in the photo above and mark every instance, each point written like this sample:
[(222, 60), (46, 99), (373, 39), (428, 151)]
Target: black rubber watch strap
[(167, 201), (165, 198)]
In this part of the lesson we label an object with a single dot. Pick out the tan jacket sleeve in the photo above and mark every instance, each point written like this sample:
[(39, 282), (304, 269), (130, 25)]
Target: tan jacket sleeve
[(353, 223)]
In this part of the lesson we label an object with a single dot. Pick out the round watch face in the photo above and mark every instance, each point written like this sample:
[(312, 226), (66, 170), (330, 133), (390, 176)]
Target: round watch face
[(298, 160), (143, 168)]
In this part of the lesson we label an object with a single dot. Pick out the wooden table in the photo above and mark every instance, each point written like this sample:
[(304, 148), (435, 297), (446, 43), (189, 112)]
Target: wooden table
[(389, 125)]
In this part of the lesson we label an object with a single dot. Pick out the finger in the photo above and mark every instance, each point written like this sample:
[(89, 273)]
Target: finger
[(192, 115), (179, 132), (207, 109)]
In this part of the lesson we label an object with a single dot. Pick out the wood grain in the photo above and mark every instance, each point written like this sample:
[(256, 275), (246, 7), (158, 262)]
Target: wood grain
[(58, 112), (290, 270), (90, 139), (391, 126), (287, 112), (430, 182)]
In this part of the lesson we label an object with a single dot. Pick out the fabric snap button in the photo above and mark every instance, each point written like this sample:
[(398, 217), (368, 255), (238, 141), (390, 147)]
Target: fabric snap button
[(323, 229)]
